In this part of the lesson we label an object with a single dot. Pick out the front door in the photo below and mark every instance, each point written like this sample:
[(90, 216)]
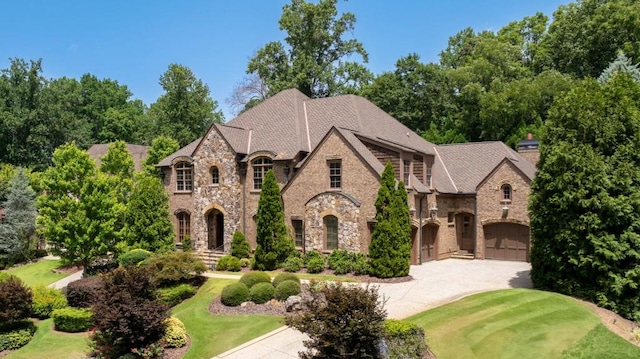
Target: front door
[(429, 234), (215, 230), (464, 231)]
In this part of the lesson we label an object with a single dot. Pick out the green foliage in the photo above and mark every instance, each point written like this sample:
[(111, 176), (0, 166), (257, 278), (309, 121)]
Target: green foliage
[(621, 64), (245, 262), (46, 300), (16, 300), (261, 293), (286, 289), (100, 266), (310, 255), (234, 264), (252, 278), (175, 336), (118, 161), (404, 339), (585, 202), (72, 320), (223, 263), (360, 264), (341, 261), (82, 293), (161, 147), (330, 335), (172, 296), (18, 227), (273, 239), (293, 264), (315, 264), (133, 257), (175, 267), (240, 247), (284, 276), (18, 336), (235, 294)]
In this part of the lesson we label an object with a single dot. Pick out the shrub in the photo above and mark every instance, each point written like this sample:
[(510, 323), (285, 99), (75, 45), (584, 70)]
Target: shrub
[(186, 244), (46, 300), (293, 264), (338, 256), (100, 266), (175, 267), (245, 262), (404, 339), (286, 289), (82, 293), (330, 335), (234, 264), (360, 264), (72, 320), (223, 263), (240, 247), (284, 276), (310, 255), (18, 337), (315, 265), (235, 294), (16, 300), (133, 257), (343, 267), (255, 277), (175, 335), (261, 293), (171, 296)]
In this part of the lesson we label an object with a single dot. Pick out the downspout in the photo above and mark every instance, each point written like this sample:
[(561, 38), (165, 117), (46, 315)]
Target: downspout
[(243, 173), (475, 226), (420, 229)]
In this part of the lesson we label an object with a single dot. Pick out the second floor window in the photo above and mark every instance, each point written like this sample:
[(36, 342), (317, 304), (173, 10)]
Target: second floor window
[(429, 176), (506, 193), (215, 175), (184, 176), (406, 170), (335, 174), (260, 167)]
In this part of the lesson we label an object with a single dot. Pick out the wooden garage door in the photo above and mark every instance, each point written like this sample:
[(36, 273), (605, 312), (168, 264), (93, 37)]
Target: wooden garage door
[(506, 241)]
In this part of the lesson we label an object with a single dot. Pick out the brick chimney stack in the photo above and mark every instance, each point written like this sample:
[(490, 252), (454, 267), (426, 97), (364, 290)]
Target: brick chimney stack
[(529, 149)]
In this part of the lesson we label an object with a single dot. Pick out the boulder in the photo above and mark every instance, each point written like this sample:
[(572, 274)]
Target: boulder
[(293, 303)]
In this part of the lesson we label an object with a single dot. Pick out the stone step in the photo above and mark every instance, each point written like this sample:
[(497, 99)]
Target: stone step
[(210, 258), (463, 255)]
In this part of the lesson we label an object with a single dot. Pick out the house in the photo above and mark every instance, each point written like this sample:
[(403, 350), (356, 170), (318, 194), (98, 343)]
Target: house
[(328, 155), (138, 152)]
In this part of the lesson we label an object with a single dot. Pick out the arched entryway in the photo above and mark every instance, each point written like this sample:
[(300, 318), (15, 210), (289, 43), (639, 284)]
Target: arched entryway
[(429, 244), (215, 230)]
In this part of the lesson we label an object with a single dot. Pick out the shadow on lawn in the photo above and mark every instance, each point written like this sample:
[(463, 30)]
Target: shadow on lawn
[(522, 279)]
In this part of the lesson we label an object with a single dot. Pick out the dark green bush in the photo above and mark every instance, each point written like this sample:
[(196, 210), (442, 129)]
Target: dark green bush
[(175, 336), (174, 267), (404, 339), (315, 265), (100, 266), (251, 278), (284, 276), (235, 294), (16, 300), (240, 247), (234, 264), (287, 289), (46, 300), (82, 293), (133, 257), (20, 334), (245, 262), (361, 264), (39, 253), (343, 267), (172, 296), (223, 263), (310, 255), (338, 256), (293, 264), (72, 320), (261, 293)]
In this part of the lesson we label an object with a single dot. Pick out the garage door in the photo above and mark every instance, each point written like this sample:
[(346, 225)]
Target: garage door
[(506, 241)]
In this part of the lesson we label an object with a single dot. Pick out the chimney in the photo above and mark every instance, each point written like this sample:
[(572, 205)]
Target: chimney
[(529, 149)]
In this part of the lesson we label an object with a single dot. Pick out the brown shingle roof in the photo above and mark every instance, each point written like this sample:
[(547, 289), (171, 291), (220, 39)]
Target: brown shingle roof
[(138, 152), (184, 151)]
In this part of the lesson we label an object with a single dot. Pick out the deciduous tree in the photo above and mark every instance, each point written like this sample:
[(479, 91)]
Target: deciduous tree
[(161, 147)]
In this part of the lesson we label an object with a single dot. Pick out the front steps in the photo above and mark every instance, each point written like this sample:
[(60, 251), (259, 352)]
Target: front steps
[(463, 255), (210, 257)]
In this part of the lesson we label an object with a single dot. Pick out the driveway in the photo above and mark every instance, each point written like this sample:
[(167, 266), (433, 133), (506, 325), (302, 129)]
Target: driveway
[(434, 283)]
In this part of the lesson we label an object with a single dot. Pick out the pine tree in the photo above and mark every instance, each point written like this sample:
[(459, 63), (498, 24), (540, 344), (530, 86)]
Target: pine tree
[(621, 64), (17, 230), (274, 244)]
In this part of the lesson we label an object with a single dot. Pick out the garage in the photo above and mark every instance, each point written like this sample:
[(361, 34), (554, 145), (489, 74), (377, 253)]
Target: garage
[(506, 241)]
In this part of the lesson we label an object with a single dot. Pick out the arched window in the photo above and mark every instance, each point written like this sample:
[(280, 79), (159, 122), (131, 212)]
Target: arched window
[(260, 167), (331, 232), (184, 176), (215, 175), (184, 225), (506, 192)]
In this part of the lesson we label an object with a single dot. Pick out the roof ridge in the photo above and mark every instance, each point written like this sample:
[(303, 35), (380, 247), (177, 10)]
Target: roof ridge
[(445, 168)]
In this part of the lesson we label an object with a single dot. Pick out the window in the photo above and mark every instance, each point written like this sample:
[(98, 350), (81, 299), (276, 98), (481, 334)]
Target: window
[(335, 174), (429, 176), (184, 225), (450, 218), (297, 230), (331, 231), (184, 176), (506, 193), (260, 168), (406, 170), (215, 175)]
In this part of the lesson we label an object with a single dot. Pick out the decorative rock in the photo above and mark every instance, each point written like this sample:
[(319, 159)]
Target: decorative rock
[(293, 303)]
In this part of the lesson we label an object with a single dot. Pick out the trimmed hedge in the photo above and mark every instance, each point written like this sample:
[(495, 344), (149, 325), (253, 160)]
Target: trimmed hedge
[(72, 320), (172, 296), (360, 264), (46, 300), (287, 289), (293, 264), (235, 294), (310, 255), (133, 257), (252, 278), (175, 336), (284, 276), (315, 265), (18, 337), (261, 293), (404, 339), (83, 293), (223, 263), (240, 247), (234, 264)]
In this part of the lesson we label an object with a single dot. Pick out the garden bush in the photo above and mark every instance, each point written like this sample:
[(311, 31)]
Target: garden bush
[(261, 293), (360, 264), (100, 266), (223, 263), (293, 264), (82, 293), (175, 335), (286, 289), (310, 255), (72, 320), (337, 256), (315, 265), (20, 334), (240, 247), (133, 257), (174, 268), (404, 339), (16, 300), (46, 300), (251, 278), (171, 296), (235, 294), (234, 264), (245, 262), (284, 276)]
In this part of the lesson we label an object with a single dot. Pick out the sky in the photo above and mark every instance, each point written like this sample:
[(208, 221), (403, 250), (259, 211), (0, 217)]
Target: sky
[(134, 41)]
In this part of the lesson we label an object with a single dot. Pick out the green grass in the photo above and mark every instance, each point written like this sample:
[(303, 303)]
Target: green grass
[(214, 334), (306, 276), (519, 323), (39, 273), (48, 343)]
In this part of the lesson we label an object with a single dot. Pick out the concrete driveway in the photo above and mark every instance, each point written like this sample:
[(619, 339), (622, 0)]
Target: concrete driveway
[(435, 283)]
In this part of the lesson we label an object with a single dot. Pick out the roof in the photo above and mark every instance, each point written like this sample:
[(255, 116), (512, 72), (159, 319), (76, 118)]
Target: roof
[(184, 151), (138, 152), (463, 167)]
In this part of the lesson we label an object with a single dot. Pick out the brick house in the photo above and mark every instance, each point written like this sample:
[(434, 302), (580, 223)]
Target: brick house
[(328, 155)]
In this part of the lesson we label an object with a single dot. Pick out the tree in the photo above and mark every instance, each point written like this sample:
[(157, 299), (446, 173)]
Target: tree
[(247, 93), (585, 202), (185, 111), (17, 229), (161, 147), (315, 61), (341, 322), (274, 244), (621, 64), (118, 161), (15, 301)]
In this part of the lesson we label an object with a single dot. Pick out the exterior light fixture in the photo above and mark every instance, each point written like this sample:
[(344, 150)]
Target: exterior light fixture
[(505, 210), (434, 211)]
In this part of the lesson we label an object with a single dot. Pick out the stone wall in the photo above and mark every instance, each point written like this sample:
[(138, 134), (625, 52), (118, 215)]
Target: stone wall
[(335, 204)]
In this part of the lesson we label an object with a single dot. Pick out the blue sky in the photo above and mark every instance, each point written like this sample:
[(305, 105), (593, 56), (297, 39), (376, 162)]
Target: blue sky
[(134, 42)]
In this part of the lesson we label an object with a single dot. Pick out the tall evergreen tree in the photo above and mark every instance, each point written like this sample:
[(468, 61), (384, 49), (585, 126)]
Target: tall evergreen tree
[(17, 228), (273, 239)]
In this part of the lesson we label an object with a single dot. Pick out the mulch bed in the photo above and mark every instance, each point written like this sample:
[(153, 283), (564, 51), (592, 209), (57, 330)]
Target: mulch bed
[(176, 353)]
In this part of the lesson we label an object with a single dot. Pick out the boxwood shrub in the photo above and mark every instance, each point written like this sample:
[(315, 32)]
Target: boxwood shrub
[(315, 265), (234, 264), (337, 257), (293, 264), (83, 293), (255, 277), (284, 276), (171, 296), (360, 264), (72, 320), (261, 293), (46, 300), (310, 255), (175, 336), (286, 289), (235, 294), (20, 334), (223, 263), (133, 257)]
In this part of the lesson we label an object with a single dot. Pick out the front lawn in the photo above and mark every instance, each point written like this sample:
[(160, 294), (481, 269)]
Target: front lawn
[(520, 323), (39, 273), (48, 343), (211, 335)]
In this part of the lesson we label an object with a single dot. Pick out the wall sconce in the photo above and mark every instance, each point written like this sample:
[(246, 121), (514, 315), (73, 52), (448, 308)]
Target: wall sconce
[(243, 169), (162, 175), (287, 170), (434, 211), (412, 211), (505, 210)]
